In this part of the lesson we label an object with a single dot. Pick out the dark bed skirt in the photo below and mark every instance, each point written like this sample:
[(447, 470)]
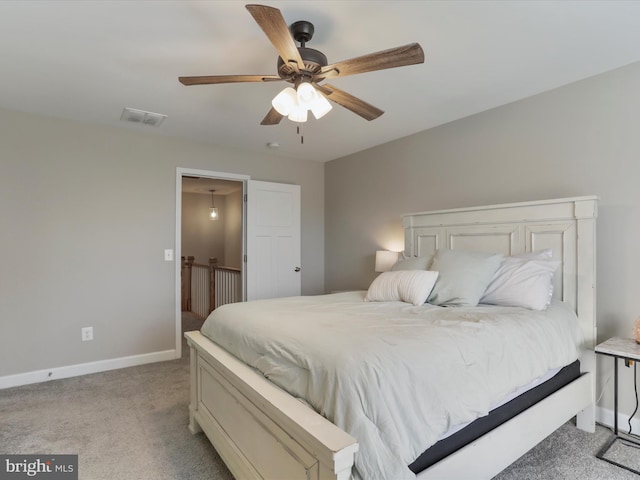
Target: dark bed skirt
[(495, 418)]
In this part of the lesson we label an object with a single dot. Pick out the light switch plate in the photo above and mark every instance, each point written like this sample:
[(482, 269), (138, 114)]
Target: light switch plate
[(168, 255)]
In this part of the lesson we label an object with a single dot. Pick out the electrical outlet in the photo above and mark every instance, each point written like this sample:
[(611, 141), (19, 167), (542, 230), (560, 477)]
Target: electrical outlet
[(87, 334)]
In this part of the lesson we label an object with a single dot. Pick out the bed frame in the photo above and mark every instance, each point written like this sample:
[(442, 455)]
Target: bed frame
[(261, 432)]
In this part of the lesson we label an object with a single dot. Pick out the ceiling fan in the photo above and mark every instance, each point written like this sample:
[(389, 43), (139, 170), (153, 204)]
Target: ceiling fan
[(306, 68)]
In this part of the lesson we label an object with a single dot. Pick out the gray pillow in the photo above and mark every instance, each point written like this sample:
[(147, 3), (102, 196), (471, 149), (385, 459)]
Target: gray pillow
[(413, 263), (463, 277)]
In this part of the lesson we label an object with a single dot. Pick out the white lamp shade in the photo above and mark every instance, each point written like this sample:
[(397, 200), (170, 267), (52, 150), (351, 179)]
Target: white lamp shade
[(295, 104), (298, 114), (385, 260), (320, 107), (213, 213), (285, 101), (306, 94)]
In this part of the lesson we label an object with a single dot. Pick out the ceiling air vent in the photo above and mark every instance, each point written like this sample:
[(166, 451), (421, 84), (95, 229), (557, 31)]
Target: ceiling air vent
[(140, 116)]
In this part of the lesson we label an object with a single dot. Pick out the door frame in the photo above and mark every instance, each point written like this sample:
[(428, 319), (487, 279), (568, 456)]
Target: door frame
[(191, 172)]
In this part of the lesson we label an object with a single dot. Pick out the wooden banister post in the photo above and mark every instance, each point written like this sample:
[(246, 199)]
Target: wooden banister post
[(213, 261), (183, 287), (190, 260)]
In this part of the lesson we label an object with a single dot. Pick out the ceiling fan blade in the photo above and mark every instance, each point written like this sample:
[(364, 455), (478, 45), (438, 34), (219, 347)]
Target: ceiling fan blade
[(272, 118), (213, 79), (392, 58), (274, 26), (357, 106)]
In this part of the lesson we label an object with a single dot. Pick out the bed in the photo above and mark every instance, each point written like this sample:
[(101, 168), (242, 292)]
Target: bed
[(261, 431)]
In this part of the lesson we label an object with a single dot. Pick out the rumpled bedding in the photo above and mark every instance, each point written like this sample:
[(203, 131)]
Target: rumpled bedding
[(393, 375)]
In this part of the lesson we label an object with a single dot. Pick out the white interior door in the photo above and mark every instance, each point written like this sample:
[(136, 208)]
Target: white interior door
[(273, 240)]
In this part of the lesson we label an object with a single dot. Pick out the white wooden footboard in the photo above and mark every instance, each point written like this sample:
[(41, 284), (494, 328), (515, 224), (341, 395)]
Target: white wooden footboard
[(260, 431)]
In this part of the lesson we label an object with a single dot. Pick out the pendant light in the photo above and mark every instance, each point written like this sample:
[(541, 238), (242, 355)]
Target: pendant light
[(213, 211)]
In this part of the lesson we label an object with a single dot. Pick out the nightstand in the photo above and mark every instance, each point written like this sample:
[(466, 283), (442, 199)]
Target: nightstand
[(628, 350)]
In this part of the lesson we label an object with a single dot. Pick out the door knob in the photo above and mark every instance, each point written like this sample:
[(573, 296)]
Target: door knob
[(297, 269)]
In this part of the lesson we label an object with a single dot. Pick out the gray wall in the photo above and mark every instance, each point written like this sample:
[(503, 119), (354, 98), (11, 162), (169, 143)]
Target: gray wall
[(86, 212), (202, 237), (581, 139)]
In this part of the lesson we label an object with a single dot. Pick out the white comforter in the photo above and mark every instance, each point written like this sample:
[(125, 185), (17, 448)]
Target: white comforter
[(392, 375)]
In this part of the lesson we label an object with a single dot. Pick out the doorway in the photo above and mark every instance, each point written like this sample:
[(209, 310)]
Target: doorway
[(208, 248)]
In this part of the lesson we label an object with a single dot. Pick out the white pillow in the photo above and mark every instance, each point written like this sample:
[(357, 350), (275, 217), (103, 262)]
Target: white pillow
[(464, 276), (412, 263), (545, 254), (410, 286), (524, 280)]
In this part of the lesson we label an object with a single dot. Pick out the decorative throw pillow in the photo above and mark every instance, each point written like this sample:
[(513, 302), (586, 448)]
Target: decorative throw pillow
[(413, 263), (524, 280), (410, 286), (464, 276)]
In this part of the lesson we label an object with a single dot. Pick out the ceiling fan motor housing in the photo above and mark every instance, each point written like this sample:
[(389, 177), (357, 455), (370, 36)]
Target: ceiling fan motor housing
[(314, 60), (302, 31)]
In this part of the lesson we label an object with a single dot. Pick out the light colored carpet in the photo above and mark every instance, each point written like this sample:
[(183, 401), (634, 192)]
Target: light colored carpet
[(128, 424), (569, 454), (131, 424)]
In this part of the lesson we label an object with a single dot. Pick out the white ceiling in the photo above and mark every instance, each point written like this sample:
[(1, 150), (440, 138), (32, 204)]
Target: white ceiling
[(88, 60)]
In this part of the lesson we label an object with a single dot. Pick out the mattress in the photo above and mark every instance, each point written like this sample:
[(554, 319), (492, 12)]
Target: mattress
[(373, 368), (515, 404)]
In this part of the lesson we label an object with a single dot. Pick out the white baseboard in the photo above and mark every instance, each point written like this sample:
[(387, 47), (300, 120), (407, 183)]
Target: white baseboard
[(38, 376), (605, 417)]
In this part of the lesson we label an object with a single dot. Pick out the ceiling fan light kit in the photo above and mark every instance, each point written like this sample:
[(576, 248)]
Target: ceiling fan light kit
[(306, 68), (294, 104)]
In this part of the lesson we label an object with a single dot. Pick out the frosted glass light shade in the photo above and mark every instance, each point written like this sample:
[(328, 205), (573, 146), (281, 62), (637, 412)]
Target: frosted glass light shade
[(306, 94), (385, 260), (320, 107), (295, 104), (285, 101), (298, 114), (213, 213)]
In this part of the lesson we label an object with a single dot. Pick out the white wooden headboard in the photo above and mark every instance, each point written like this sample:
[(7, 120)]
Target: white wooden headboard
[(566, 226)]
